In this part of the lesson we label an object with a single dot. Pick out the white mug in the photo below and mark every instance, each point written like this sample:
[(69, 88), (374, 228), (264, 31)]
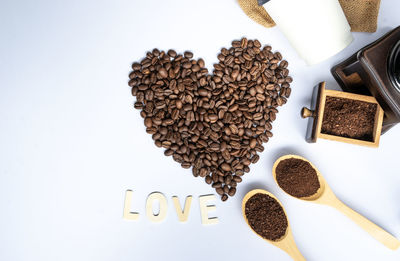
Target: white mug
[(317, 29)]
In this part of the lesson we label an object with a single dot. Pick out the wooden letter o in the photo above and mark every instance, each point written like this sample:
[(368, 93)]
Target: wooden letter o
[(163, 207)]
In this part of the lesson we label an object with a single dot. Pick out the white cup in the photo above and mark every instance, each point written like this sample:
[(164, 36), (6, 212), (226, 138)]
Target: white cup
[(317, 29)]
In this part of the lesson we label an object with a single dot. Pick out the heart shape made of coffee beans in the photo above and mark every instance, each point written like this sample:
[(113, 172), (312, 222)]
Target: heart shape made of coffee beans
[(215, 123)]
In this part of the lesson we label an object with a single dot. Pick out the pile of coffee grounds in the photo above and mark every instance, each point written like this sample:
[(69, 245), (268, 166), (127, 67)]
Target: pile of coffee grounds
[(349, 118), (297, 177), (266, 216)]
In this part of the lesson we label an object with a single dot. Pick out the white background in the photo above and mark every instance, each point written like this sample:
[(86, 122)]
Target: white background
[(71, 143)]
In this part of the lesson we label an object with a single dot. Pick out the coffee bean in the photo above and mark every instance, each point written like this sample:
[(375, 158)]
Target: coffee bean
[(243, 42), (287, 93), (195, 172), (235, 74), (233, 108), (272, 115), (253, 143), (226, 167), (279, 101), (258, 116), (188, 54), (148, 122), (214, 177), (171, 53), (236, 44), (255, 159), (168, 152), (228, 179), (224, 197), (186, 165), (234, 129), (214, 124), (240, 172), (203, 172), (151, 130), (163, 72), (283, 64), (237, 178), (213, 118), (226, 188), (216, 185), (187, 65), (203, 92), (201, 63)]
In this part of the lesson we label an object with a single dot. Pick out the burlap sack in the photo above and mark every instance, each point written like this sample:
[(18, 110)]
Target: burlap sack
[(362, 15)]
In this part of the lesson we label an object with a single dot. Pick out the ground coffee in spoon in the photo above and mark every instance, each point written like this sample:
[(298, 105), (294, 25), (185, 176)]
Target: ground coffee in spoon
[(266, 216), (297, 177)]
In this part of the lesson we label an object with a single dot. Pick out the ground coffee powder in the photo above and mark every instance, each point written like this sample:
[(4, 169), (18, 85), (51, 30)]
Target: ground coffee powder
[(349, 118), (297, 177), (266, 216)]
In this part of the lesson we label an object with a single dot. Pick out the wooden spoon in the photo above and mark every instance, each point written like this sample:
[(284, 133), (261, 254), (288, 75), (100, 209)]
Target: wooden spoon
[(325, 196), (286, 242)]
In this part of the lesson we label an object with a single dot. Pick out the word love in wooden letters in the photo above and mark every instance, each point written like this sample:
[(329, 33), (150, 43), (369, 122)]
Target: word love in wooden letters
[(183, 215)]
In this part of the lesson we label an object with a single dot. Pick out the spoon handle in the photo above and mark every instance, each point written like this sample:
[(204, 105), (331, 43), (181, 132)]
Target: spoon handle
[(289, 246), (295, 254), (377, 232)]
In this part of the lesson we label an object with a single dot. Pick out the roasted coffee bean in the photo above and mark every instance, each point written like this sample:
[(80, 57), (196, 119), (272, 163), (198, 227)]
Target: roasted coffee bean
[(237, 178), (188, 54), (233, 107), (253, 143), (201, 63), (148, 122), (232, 192), (163, 73), (216, 185), (186, 165), (226, 167), (220, 191), (208, 179), (171, 53), (240, 172), (195, 172), (228, 179), (213, 118), (283, 64), (226, 188), (203, 92), (203, 172), (215, 124), (214, 177), (168, 152), (255, 159)]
